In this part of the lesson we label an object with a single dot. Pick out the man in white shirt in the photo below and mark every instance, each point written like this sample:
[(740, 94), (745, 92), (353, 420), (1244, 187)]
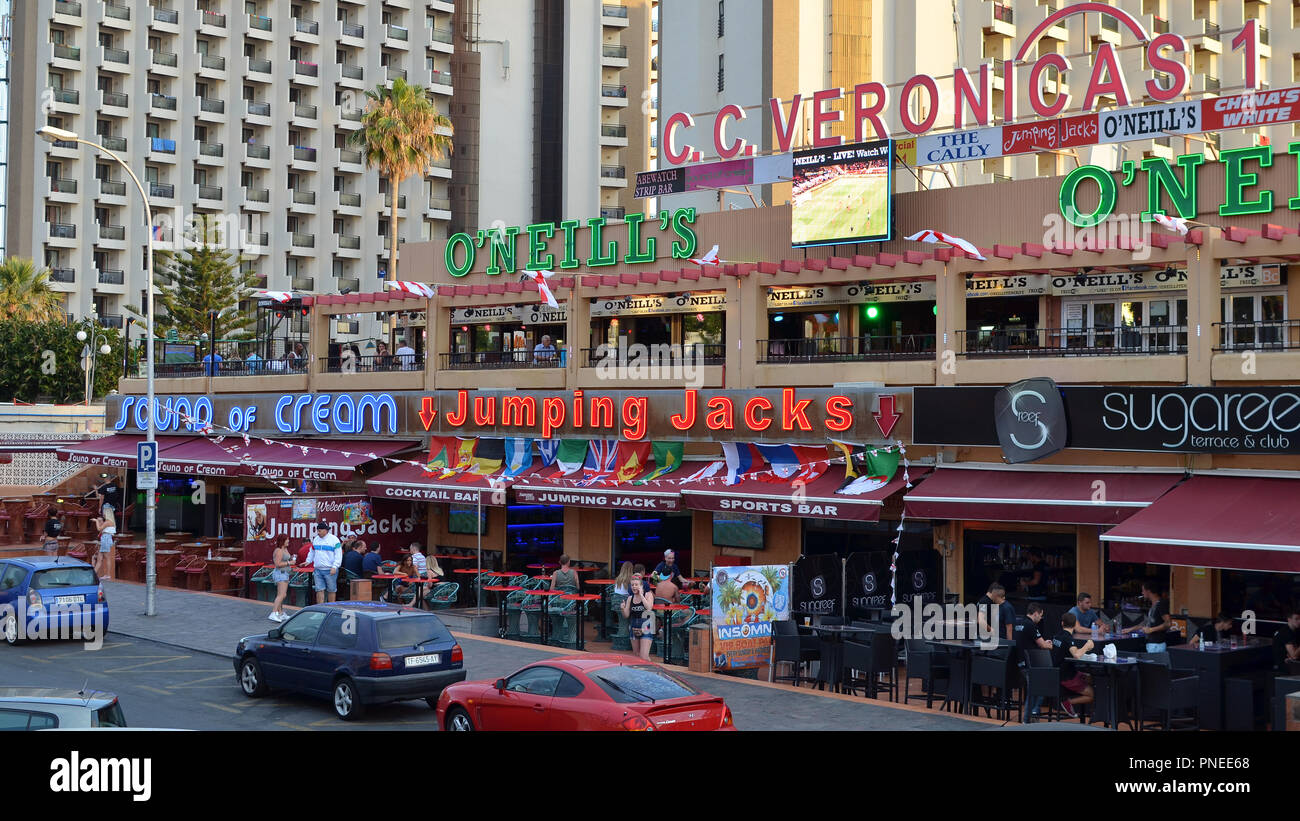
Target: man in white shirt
[(326, 555), (406, 357)]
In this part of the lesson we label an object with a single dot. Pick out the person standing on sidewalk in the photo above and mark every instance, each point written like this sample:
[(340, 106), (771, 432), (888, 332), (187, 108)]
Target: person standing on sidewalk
[(282, 558), (326, 556)]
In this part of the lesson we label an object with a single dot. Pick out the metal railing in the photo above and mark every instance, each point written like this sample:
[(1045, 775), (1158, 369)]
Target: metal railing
[(166, 15), (495, 360), (69, 8), (110, 321), (117, 12), (1263, 35), (350, 284), (209, 192), (1160, 25), (113, 143), (257, 21), (59, 185), (1110, 23), (112, 276), (398, 33), (846, 349), (659, 355), (352, 30), (613, 51), (258, 108), (163, 58), (440, 35), (63, 230), (212, 61), (1268, 335), (351, 115), (613, 91), (304, 154), (349, 199), (372, 362), (304, 197), (352, 72), (260, 239), (439, 204), (112, 188), (162, 189), (1003, 13), (259, 66), (303, 241), (214, 18), (212, 106), (306, 112), (1211, 29), (257, 151), (63, 52), (1120, 340), (394, 72), (614, 171), (613, 213), (388, 200), (65, 275), (613, 131), (116, 99), (608, 10), (441, 77), (162, 101), (302, 283), (349, 155), (212, 150), (111, 232), (307, 69), (257, 194), (350, 242), (306, 26), (67, 95)]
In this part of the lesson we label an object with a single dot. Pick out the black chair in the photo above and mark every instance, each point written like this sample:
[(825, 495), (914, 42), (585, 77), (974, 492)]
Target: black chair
[(1041, 680), (996, 670), (877, 662), (1163, 695), (925, 664), (958, 691), (789, 647)]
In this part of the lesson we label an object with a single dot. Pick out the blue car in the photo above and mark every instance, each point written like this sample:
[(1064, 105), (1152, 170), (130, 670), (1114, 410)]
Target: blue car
[(355, 654), (50, 597)]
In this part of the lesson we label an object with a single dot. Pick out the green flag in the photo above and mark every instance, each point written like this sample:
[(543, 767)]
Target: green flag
[(668, 458), (569, 456)]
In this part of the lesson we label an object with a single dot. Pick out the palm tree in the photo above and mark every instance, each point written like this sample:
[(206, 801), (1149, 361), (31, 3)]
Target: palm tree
[(400, 136), (772, 575), (25, 291)]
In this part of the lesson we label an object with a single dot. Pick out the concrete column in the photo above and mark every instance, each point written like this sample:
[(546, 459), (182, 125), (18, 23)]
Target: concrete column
[(578, 328), (950, 298), (746, 322), (318, 344), (1203, 305), (439, 339)]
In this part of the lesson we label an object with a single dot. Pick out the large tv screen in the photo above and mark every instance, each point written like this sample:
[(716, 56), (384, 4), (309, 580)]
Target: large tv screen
[(738, 530), (461, 518), (842, 194)]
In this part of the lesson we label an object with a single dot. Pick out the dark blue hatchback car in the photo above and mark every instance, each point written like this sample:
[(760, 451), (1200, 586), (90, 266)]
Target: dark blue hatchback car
[(354, 653)]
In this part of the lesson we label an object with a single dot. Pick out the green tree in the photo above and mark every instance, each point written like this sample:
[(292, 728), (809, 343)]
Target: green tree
[(196, 282), (25, 291), (41, 361), (400, 137)]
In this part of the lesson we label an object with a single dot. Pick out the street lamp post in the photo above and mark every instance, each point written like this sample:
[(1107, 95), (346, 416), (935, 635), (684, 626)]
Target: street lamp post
[(51, 134), (95, 336)]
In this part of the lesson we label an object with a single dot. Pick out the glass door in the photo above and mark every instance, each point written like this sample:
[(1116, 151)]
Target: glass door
[(1131, 322), (1243, 321), (1272, 312), (1159, 338), (1103, 324)]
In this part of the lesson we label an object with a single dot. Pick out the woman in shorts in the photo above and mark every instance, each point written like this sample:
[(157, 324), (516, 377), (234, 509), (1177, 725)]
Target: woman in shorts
[(638, 609)]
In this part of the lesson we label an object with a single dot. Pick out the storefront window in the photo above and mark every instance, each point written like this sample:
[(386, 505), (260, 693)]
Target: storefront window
[(642, 538), (1031, 566), (534, 535), (704, 329), (1253, 319), (1123, 587), (804, 333), (896, 327), (1002, 323), (1157, 324)]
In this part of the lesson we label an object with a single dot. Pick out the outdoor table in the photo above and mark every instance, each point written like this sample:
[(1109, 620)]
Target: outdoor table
[(829, 672), (392, 577), (245, 566), (219, 568), (1213, 666), (669, 609), (583, 598), (1115, 672), (164, 562), (463, 592), (1128, 642), (504, 589), (586, 569), (542, 566), (542, 578), (545, 627), (604, 584), (960, 650), (178, 535), (236, 553), (64, 541), (419, 583), (195, 548)]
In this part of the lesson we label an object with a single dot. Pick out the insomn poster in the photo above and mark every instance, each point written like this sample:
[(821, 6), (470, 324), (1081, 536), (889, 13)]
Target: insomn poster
[(746, 601)]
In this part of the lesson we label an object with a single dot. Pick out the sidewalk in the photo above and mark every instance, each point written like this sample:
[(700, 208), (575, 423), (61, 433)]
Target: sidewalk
[(213, 623)]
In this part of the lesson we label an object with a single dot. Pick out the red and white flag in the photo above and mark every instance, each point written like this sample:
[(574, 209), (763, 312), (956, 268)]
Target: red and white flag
[(711, 258), (418, 288), (278, 296), (948, 239), (1172, 223), (540, 277)]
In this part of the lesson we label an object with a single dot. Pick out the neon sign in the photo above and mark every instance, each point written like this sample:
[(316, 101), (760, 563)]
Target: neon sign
[(292, 413)]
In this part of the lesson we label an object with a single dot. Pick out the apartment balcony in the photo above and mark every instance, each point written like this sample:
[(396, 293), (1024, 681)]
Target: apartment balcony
[(441, 40), (613, 213), (440, 82), (349, 203), (211, 193), (1204, 84), (212, 67), (61, 190), (304, 159), (613, 15), (612, 95), (64, 149), (66, 57), (63, 276), (350, 34), (305, 73), (613, 176), (212, 111), (998, 19), (257, 112), (111, 192), (67, 13), (65, 101), (303, 202), (440, 169), (305, 116), (401, 4), (613, 135), (165, 20), (351, 76), (258, 70), (306, 31), (1205, 35), (213, 24), (347, 246), (164, 63), (211, 154), (302, 245), (257, 155), (397, 37), (116, 16), (350, 161), (401, 203), (111, 276), (349, 284), (613, 56), (62, 235), (393, 72), (260, 27), (256, 243), (110, 237), (162, 191), (257, 199), (161, 105), (303, 283)]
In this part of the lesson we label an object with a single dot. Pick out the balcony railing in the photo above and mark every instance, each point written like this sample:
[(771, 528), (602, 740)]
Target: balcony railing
[(1003, 13), (846, 349), (609, 10), (213, 18), (259, 22), (59, 185), (394, 72), (306, 112), (166, 15), (213, 62), (440, 35), (371, 362), (117, 12), (440, 77), (350, 242), (113, 143), (699, 354), (349, 199), (1269, 335), (63, 52), (388, 201), (63, 230), (257, 194), (162, 145), (304, 154), (307, 69), (259, 66), (304, 197), (613, 213), (306, 26), (352, 72), (613, 91), (349, 155), (162, 101), (439, 204), (259, 109), (497, 360), (614, 171), (163, 58), (303, 241), (1263, 35), (112, 277), (1122, 340), (111, 321), (115, 99), (350, 283), (212, 150), (162, 189), (614, 51), (1212, 84), (257, 151), (259, 239), (112, 188), (68, 8), (1110, 23), (209, 192), (111, 232), (613, 131), (398, 33), (351, 30), (1211, 29), (212, 106), (1160, 25), (352, 115), (66, 275), (67, 95)]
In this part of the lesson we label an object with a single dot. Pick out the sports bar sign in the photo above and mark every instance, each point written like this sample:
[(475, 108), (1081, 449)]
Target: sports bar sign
[(1145, 106)]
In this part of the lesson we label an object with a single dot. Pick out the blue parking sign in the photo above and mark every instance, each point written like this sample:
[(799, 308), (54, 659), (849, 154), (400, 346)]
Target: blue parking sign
[(146, 465)]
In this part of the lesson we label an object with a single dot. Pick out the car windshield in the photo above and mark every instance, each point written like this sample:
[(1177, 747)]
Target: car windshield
[(411, 631), (633, 684), (64, 577), (110, 716)]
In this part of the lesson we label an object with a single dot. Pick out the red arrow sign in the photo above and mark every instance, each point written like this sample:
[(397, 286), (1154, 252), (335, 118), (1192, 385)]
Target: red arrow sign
[(427, 412), (886, 418)]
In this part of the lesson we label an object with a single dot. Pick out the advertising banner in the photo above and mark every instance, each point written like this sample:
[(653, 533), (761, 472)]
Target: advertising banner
[(842, 194), (917, 291), (817, 588), (650, 305), (657, 183), (747, 600), (391, 524)]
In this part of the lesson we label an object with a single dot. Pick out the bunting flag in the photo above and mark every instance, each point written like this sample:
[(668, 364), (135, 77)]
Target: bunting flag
[(947, 239), (278, 296), (707, 472), (859, 470), (444, 455), (486, 459), (417, 288), (600, 462), (519, 456), (539, 278), (548, 447), (569, 457), (630, 460), (1172, 223), (741, 458), (794, 462), (667, 457)]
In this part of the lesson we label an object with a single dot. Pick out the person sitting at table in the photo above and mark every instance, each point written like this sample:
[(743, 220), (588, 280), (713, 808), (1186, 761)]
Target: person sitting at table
[(1078, 684), (370, 562), (565, 578), (1157, 623), (354, 558), (1286, 641), (1029, 636), (1085, 615), (623, 579), (669, 589), (667, 569), (1218, 630), (994, 606)]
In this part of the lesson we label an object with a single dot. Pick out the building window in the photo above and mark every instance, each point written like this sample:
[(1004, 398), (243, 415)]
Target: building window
[(721, 79), (721, 17)]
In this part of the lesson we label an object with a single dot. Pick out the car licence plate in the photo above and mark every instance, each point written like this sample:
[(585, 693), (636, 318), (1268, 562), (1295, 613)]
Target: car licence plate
[(421, 661), (69, 599)]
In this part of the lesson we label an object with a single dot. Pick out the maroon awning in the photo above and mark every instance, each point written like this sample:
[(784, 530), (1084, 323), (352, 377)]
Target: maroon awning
[(534, 489), (1225, 522), (116, 451), (332, 460), (816, 499), (415, 483), (1080, 498)]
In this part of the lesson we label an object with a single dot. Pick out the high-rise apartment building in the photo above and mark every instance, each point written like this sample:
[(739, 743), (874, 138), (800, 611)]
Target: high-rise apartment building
[(761, 49)]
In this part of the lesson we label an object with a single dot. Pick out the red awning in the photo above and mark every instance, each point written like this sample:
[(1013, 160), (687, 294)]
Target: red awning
[(816, 499), (116, 451), (532, 489), (1225, 522), (336, 460), (1036, 495), (411, 482)]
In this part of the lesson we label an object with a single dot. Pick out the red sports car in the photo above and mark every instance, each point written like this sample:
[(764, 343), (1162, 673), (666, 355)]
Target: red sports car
[(591, 691)]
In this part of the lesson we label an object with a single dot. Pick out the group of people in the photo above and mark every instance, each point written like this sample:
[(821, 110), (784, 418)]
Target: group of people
[(108, 502), (640, 591)]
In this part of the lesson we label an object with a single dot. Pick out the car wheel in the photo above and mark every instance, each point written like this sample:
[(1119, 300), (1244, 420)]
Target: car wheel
[(347, 704), (251, 680), (9, 629), (458, 721)]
